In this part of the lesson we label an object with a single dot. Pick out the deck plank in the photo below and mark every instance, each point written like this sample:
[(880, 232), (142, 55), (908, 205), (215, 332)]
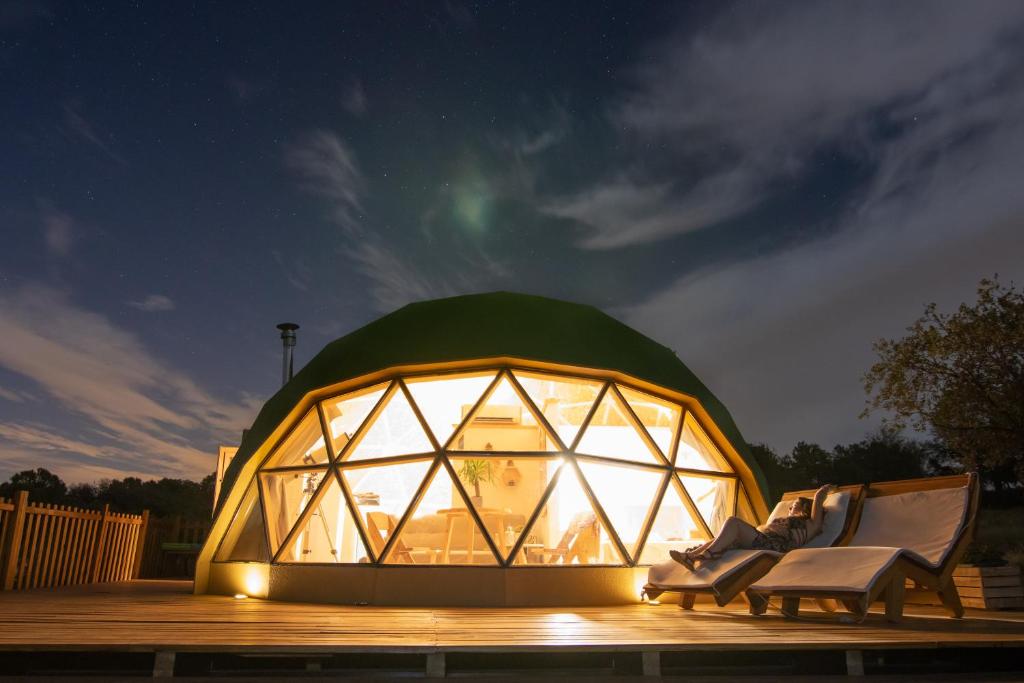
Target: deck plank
[(149, 615)]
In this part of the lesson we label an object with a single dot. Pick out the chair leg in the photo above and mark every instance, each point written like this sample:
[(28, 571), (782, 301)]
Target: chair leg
[(951, 599), (651, 592), (686, 600), (858, 607), (894, 597), (791, 607), (758, 603)]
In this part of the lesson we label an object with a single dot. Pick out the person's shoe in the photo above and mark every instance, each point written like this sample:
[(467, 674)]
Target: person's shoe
[(684, 559)]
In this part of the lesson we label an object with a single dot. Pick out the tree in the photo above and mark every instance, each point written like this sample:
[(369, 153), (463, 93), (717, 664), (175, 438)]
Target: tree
[(775, 472), (43, 486), (884, 456), (960, 376), (163, 497), (812, 465)]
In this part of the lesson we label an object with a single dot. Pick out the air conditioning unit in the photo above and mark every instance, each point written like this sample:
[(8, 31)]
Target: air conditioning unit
[(508, 415)]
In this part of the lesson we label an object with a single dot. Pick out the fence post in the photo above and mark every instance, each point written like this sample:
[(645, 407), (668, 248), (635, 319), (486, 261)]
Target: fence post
[(97, 558), (11, 548), (140, 545)]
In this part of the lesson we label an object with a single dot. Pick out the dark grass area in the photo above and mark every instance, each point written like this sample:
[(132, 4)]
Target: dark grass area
[(1001, 531)]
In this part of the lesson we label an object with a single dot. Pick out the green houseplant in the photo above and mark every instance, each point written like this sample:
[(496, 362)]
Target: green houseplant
[(473, 473)]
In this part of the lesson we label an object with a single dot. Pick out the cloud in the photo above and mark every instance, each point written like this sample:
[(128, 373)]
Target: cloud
[(354, 99), (12, 396), (78, 126), (727, 114), (785, 338), (153, 303), (328, 167), (139, 414), (243, 89), (394, 282), (554, 127), (58, 230), (623, 212), (296, 271)]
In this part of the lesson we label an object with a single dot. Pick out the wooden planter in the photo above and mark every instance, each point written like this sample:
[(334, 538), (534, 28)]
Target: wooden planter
[(989, 587)]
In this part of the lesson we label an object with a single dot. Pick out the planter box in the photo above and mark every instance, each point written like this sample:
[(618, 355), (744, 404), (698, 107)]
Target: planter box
[(989, 587)]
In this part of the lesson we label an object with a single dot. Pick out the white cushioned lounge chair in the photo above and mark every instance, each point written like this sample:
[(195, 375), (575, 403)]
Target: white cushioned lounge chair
[(916, 529), (731, 574)]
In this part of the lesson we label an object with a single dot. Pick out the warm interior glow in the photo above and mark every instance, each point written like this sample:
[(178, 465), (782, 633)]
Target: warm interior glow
[(530, 472), (346, 413), (395, 431)]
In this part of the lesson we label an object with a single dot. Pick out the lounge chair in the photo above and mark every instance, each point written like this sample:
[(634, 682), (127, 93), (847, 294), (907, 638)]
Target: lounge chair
[(731, 574), (916, 529), (581, 541), (381, 526)]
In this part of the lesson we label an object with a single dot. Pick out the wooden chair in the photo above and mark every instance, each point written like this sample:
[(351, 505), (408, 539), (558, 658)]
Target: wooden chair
[(916, 529), (581, 541), (380, 527), (736, 570)]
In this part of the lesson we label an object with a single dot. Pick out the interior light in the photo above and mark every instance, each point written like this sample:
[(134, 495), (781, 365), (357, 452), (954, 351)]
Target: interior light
[(511, 476), (240, 596)]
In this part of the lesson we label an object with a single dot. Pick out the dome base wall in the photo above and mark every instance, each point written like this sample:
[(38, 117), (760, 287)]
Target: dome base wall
[(425, 586)]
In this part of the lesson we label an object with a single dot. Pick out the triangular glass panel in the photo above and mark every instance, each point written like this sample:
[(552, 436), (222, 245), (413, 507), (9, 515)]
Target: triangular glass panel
[(444, 400), (504, 423), (395, 431), (568, 529), (746, 510), (287, 494), (713, 497), (304, 445), (565, 402), (674, 528), (328, 534), (505, 492), (441, 530), (382, 495), (612, 434), (626, 494), (246, 537), (344, 414), (696, 450), (659, 417)]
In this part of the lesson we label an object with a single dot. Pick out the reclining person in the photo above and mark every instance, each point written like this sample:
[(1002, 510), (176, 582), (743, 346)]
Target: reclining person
[(781, 534)]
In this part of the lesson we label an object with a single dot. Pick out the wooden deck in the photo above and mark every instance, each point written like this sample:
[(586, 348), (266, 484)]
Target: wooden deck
[(163, 617)]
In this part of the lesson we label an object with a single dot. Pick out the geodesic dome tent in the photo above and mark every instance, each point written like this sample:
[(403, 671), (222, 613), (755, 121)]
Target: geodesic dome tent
[(485, 449)]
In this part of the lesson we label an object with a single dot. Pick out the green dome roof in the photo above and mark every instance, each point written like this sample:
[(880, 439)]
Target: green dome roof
[(487, 326)]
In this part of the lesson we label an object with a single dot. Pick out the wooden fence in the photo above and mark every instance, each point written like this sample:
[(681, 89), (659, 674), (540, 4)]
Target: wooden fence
[(172, 546), (55, 545)]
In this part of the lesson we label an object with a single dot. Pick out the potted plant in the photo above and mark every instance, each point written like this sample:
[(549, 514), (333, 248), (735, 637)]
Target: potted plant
[(473, 472)]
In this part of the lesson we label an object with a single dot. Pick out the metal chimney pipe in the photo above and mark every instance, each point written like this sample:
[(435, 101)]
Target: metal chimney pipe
[(288, 339)]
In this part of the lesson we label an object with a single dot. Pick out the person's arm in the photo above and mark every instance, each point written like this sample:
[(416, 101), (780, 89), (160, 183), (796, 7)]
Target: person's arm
[(818, 510)]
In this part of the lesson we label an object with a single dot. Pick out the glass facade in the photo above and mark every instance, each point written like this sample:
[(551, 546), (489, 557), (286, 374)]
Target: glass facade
[(503, 466)]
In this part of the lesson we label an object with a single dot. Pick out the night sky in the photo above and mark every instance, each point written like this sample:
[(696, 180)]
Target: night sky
[(766, 188)]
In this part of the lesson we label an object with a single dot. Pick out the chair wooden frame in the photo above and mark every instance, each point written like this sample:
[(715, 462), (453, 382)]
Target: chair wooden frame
[(382, 528), (737, 582), (580, 543), (890, 586)]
